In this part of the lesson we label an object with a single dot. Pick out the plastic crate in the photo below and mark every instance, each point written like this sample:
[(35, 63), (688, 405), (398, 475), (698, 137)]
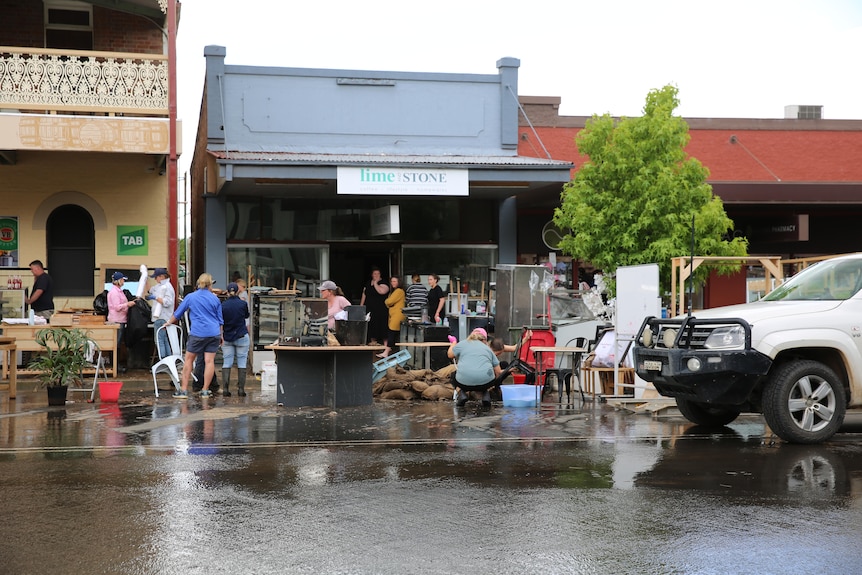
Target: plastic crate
[(520, 395), (381, 366)]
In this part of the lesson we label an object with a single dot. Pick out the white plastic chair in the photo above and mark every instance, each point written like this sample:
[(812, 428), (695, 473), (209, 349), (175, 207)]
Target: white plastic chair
[(172, 359), (95, 361)]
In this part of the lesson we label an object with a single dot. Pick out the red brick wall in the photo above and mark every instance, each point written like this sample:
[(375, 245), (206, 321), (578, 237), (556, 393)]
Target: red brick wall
[(120, 32), (21, 24), (25, 28)]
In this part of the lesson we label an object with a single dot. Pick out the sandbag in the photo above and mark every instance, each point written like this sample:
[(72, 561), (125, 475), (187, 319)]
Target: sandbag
[(446, 371), (398, 394), (437, 392), (390, 384), (419, 386)]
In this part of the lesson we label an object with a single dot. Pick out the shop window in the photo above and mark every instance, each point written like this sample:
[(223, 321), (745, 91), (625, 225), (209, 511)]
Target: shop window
[(276, 265), (68, 25), (71, 251)]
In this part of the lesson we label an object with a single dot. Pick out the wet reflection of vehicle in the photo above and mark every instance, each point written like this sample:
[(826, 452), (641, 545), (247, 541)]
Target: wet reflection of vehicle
[(726, 461)]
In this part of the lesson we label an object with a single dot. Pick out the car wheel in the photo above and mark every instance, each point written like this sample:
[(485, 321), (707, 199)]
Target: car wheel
[(804, 402), (705, 414)]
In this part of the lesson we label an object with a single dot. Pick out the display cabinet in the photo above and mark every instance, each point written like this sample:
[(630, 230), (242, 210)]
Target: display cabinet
[(12, 303)]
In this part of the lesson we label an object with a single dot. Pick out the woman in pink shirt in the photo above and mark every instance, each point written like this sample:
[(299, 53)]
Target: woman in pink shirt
[(329, 292), (118, 308)]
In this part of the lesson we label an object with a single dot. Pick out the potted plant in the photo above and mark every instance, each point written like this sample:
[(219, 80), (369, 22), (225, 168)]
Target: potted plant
[(62, 362)]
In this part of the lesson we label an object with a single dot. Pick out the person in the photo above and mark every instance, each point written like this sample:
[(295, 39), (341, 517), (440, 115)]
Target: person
[(243, 294), (206, 333), (236, 341), (118, 308), (416, 294), (335, 300), (436, 299), (395, 303), (478, 367), (373, 298), (41, 299), (163, 296)]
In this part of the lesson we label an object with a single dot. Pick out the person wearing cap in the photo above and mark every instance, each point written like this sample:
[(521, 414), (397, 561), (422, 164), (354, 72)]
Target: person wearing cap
[(118, 307), (206, 333), (162, 296), (335, 300), (478, 367), (236, 341)]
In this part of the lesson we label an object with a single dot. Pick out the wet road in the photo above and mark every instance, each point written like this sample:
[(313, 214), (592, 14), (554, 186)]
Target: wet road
[(244, 487)]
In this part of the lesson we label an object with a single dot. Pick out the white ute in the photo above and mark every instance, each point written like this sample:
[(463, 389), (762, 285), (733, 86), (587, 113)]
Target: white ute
[(795, 356)]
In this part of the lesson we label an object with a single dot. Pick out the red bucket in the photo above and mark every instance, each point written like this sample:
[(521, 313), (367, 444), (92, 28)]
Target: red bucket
[(519, 377), (109, 391)]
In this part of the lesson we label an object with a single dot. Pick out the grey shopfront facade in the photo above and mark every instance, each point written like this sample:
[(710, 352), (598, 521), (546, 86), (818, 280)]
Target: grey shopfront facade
[(307, 174)]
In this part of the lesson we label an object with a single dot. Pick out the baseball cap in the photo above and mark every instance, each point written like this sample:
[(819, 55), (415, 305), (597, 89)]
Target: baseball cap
[(118, 276), (328, 284), (481, 331), (160, 272), (233, 287)]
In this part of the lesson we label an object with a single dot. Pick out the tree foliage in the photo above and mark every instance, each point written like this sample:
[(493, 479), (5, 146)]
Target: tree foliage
[(632, 202)]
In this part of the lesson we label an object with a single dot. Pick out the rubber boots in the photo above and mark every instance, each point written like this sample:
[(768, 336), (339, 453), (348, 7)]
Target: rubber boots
[(240, 381), (225, 375)]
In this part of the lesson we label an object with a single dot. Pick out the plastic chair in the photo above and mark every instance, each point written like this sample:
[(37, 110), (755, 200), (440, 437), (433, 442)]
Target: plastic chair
[(173, 361), (95, 361)]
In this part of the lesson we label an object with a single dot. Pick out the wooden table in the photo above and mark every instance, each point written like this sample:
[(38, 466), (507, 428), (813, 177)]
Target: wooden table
[(576, 352), (9, 349), (332, 376), (103, 334), (427, 345)]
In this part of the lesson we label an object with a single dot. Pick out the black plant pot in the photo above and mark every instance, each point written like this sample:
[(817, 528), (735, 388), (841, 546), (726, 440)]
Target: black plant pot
[(57, 394)]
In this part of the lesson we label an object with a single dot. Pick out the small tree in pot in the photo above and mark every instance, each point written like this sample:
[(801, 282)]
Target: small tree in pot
[(63, 360)]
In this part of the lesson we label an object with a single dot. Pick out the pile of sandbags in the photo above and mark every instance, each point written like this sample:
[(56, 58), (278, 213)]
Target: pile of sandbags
[(399, 383)]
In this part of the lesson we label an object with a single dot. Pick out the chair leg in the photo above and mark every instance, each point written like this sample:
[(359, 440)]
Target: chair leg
[(155, 385)]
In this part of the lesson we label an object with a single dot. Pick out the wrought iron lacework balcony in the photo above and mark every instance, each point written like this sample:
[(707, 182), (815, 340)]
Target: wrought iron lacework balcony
[(69, 81)]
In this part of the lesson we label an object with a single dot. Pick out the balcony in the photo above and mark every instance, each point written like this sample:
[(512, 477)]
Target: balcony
[(69, 100), (42, 80)]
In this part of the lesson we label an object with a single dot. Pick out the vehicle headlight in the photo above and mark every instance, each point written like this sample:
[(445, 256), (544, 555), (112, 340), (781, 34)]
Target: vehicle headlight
[(730, 337)]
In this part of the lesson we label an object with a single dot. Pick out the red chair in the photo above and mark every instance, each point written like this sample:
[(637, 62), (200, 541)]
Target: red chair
[(542, 337)]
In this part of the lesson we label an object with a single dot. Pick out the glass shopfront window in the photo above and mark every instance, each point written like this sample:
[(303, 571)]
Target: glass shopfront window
[(275, 265), (299, 220), (469, 265)]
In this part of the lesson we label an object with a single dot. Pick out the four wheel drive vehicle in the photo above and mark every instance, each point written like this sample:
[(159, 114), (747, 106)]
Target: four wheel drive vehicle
[(795, 356)]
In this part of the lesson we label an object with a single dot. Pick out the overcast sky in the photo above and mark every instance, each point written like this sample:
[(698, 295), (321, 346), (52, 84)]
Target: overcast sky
[(729, 58)]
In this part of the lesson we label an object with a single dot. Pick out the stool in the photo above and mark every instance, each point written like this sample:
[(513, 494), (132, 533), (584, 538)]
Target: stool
[(10, 362)]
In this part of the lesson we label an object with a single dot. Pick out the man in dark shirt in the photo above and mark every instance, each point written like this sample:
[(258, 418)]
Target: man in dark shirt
[(41, 299)]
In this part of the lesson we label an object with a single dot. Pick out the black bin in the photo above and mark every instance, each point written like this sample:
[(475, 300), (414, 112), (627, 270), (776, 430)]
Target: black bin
[(349, 332)]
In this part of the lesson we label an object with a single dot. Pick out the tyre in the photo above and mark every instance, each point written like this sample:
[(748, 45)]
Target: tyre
[(804, 402), (705, 414)]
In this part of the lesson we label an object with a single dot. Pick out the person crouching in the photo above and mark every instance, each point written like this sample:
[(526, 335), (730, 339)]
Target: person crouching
[(478, 367)]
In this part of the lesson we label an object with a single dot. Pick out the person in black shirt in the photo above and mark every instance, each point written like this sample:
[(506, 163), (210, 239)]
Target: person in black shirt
[(436, 300), (41, 299)]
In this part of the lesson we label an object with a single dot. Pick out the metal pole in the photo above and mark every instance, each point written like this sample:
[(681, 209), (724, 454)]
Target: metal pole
[(173, 267)]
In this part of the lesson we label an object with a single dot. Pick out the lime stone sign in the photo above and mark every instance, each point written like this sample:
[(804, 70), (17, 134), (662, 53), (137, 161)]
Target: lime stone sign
[(132, 241)]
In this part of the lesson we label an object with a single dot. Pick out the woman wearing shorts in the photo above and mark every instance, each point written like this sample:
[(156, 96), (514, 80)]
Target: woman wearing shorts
[(206, 333)]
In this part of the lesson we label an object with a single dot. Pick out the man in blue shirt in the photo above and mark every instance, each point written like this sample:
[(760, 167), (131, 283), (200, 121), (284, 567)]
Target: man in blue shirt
[(206, 333)]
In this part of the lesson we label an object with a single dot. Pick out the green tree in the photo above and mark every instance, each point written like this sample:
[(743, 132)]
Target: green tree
[(632, 202)]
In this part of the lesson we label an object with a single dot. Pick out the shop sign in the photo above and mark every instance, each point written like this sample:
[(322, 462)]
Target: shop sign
[(8, 241), (385, 220), (132, 241), (387, 181), (783, 229)]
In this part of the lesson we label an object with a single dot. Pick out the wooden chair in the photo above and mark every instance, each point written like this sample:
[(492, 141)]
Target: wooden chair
[(599, 380)]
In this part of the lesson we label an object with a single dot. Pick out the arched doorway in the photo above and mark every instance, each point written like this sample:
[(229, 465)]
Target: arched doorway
[(71, 245)]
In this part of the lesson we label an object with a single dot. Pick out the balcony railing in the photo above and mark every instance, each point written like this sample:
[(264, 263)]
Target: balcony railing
[(35, 79)]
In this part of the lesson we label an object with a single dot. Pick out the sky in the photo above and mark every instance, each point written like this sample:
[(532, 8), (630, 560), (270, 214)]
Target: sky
[(729, 58)]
